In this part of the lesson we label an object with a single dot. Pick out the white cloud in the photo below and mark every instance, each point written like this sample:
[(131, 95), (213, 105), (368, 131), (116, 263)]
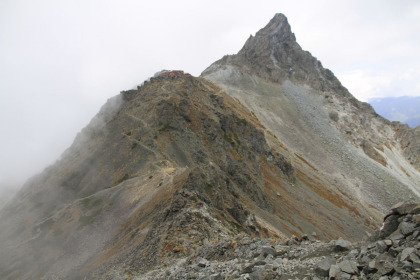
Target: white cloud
[(363, 84)]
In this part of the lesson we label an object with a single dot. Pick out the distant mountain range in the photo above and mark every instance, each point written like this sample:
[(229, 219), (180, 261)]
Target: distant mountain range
[(405, 109)]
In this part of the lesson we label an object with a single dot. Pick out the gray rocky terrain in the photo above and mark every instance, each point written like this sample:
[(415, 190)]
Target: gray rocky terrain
[(392, 254), (307, 108), (265, 167)]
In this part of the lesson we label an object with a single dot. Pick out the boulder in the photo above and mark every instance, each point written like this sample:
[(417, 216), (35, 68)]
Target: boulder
[(406, 253), (248, 269), (343, 276), (414, 258), (342, 245), (216, 276), (407, 265), (372, 267), (349, 267), (416, 265), (322, 268), (388, 242), (396, 235), (386, 268), (381, 246), (265, 274), (334, 271), (394, 251), (415, 210), (416, 219), (389, 226), (203, 263), (267, 250), (353, 253), (407, 228), (261, 262), (404, 208)]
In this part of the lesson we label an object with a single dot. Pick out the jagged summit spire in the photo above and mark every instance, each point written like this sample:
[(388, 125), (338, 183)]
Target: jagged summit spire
[(278, 28), (277, 25), (273, 54), (271, 37)]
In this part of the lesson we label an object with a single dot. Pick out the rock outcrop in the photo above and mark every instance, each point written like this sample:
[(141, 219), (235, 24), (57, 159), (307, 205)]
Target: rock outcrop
[(393, 256)]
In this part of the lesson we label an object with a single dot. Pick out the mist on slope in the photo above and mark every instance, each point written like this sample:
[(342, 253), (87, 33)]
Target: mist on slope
[(61, 60), (6, 193)]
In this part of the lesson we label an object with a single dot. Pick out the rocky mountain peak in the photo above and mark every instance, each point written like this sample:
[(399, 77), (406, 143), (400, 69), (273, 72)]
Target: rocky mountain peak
[(274, 55), (286, 87), (271, 38)]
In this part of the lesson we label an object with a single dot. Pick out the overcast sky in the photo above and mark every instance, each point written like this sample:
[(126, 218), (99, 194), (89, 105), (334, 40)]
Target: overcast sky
[(61, 60)]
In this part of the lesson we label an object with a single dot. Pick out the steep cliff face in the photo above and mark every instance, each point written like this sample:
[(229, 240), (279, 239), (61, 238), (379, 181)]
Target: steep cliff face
[(309, 110)]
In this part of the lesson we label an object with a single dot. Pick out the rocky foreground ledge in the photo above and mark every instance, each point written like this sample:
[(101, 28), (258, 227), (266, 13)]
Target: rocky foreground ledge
[(392, 254)]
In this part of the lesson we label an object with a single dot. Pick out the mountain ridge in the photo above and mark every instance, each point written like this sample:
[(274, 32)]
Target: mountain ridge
[(184, 164), (149, 185)]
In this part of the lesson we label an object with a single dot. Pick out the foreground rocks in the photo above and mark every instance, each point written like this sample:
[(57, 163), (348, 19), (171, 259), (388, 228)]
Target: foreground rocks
[(390, 255)]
